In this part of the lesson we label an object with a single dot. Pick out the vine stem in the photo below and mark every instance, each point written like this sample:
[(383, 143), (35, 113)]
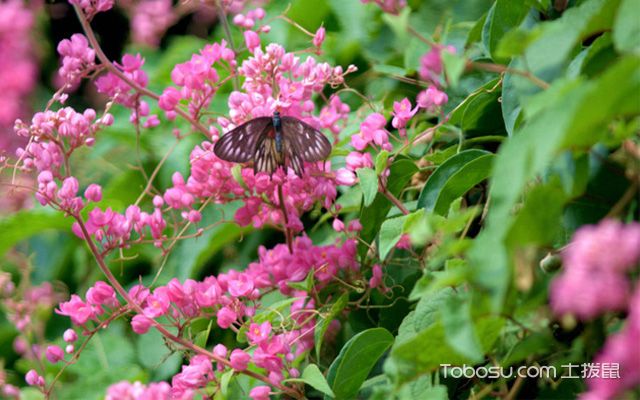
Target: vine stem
[(487, 66), (86, 26), (386, 193), (506, 70), (287, 231), (164, 331), (222, 16)]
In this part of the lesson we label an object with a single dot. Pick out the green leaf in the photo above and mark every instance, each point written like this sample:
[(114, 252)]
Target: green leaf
[(454, 65), (570, 114), (453, 178), (534, 344), (372, 217), (626, 30), (154, 355), (510, 102), (392, 229), (504, 16), (224, 383), (305, 285), (314, 378), (428, 349), (368, 181), (548, 53), (26, 223), (236, 172), (356, 359), (325, 320), (475, 34), (459, 330), (480, 111), (381, 161), (390, 232)]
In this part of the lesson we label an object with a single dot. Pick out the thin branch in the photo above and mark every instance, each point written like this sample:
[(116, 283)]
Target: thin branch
[(386, 193), (501, 69), (136, 307), (86, 26)]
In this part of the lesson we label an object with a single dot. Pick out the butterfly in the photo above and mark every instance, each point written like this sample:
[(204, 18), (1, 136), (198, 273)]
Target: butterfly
[(273, 142)]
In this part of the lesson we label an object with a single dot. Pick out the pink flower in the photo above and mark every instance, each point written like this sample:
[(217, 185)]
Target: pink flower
[(241, 286), (93, 193), (239, 360), (252, 40), (402, 113), (372, 131), (318, 38), (432, 98), (78, 59), (91, 7), (150, 20), (404, 242), (260, 393), (102, 294), (609, 245), (70, 336), (621, 350), (141, 324), (588, 294), (338, 225), (259, 333), (355, 226), (77, 310), (345, 177), (226, 317), (595, 262), (357, 160), (54, 354), (376, 278), (169, 99), (220, 350), (389, 6), (431, 65), (158, 303), (33, 379)]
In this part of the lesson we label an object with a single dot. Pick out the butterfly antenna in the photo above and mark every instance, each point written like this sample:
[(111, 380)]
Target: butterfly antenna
[(287, 232)]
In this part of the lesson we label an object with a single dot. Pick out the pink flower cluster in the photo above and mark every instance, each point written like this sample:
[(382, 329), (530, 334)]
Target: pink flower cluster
[(18, 69), (621, 349), (21, 310), (197, 79), (100, 298), (233, 298), (431, 65), (150, 19), (121, 92), (389, 6), (78, 59), (92, 7), (138, 391), (295, 84), (595, 264)]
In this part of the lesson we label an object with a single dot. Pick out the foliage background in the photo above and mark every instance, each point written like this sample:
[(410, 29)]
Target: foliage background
[(512, 174)]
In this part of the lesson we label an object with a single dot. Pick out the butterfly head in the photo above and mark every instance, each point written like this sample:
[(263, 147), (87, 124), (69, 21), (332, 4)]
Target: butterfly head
[(276, 113)]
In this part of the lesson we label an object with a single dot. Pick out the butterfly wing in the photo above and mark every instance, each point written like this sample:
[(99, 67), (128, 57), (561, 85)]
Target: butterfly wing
[(307, 143), (239, 144), (266, 157), (294, 156)]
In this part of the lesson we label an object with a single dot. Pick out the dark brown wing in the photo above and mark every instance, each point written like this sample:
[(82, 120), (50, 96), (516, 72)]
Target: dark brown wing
[(239, 144), (265, 157), (293, 155), (309, 143)]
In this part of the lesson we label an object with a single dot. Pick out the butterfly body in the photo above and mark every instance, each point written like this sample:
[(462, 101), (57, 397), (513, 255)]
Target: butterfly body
[(272, 142), (277, 127)]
